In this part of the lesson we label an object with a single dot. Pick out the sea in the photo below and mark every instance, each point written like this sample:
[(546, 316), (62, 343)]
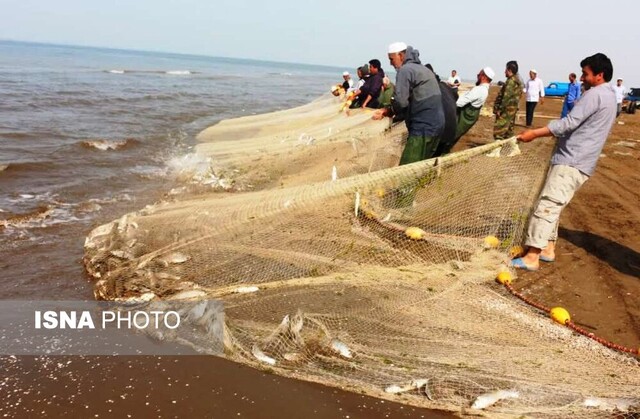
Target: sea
[(89, 134)]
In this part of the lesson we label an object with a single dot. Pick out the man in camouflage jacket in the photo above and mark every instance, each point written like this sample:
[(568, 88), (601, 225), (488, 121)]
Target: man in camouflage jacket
[(506, 104)]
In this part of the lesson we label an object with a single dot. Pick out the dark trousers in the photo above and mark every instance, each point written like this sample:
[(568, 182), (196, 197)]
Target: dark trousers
[(530, 108)]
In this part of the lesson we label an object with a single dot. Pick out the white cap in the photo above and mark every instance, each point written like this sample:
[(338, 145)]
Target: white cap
[(346, 73), (397, 47), (619, 78), (488, 71), (533, 70)]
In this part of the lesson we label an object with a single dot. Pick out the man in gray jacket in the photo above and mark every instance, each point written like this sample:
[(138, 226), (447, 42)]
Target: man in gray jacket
[(581, 137), (418, 101)]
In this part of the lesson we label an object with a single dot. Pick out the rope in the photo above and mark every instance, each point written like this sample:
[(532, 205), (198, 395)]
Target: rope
[(571, 325)]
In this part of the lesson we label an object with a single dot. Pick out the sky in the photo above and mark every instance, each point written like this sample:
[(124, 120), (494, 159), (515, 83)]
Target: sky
[(550, 36)]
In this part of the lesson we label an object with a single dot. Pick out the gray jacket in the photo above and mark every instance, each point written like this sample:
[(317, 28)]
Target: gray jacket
[(417, 96), (582, 134)]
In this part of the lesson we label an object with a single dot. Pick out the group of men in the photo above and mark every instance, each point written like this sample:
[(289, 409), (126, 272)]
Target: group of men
[(373, 90), (580, 134), (434, 118)]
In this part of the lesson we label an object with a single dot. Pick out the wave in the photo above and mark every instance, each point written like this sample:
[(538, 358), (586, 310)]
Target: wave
[(169, 72), (29, 219), (49, 211), (26, 167), (106, 145)]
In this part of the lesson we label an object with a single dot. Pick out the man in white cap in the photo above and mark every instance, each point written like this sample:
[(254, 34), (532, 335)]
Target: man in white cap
[(534, 92), (621, 92), (348, 82), (417, 100), (469, 105)]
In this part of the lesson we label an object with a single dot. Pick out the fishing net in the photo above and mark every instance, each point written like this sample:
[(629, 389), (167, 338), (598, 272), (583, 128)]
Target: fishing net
[(341, 267)]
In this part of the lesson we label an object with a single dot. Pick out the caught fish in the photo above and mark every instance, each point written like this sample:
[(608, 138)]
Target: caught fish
[(357, 204), (334, 173), (489, 399), (175, 257), (292, 356), (121, 254), (260, 356), (167, 276), (341, 348), (413, 385)]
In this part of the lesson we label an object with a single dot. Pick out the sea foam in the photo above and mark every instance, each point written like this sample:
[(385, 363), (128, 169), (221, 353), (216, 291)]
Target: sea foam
[(105, 145)]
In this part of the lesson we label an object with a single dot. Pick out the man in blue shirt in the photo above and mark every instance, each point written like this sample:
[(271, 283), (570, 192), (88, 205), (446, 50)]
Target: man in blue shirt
[(572, 95)]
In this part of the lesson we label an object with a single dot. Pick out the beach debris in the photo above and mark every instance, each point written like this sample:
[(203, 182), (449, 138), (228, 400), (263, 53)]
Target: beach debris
[(489, 399), (3, 167), (246, 290), (288, 203), (306, 139), (341, 348), (334, 173), (260, 356), (611, 404)]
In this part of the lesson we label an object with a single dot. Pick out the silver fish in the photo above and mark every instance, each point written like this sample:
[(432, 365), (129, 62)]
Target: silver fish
[(489, 399), (341, 348), (260, 356)]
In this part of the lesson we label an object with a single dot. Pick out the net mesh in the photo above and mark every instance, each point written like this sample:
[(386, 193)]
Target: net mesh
[(348, 270)]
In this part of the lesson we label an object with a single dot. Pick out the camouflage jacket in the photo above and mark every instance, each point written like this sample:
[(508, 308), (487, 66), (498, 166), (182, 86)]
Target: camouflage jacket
[(509, 97)]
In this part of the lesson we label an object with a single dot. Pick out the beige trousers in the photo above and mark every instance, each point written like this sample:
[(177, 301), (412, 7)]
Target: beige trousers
[(561, 184)]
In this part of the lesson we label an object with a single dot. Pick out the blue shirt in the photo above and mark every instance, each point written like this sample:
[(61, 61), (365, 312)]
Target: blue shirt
[(582, 134), (574, 92)]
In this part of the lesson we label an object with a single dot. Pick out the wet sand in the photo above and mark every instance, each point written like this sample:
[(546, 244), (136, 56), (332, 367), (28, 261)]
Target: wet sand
[(172, 387)]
